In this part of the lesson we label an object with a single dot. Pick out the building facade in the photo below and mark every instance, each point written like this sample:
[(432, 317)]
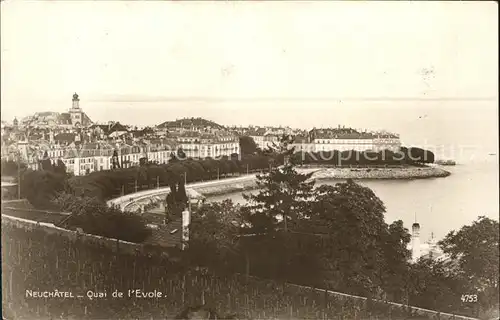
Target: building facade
[(347, 139), (202, 145)]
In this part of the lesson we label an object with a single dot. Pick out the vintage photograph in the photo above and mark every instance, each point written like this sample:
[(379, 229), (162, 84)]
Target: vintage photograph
[(249, 160)]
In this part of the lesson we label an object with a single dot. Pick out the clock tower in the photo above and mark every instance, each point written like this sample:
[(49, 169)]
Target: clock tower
[(75, 111)]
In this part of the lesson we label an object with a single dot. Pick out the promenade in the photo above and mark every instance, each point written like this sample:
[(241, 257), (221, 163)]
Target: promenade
[(204, 188), (246, 182)]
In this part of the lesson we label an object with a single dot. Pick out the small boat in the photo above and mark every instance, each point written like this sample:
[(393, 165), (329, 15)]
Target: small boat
[(492, 154)]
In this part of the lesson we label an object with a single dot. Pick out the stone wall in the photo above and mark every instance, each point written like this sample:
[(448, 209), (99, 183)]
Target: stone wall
[(49, 228), (131, 248), (380, 173)]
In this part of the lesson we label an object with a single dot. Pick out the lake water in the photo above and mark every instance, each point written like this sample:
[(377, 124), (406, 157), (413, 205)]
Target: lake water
[(440, 204)]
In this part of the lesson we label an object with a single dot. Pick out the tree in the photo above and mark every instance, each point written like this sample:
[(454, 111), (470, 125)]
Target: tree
[(181, 155), (248, 145), (213, 231), (181, 196), (115, 162), (60, 168), (143, 161), (176, 199), (46, 164), (283, 193), (173, 157), (434, 285), (40, 187), (352, 218), (95, 217), (420, 155), (475, 248), (271, 245), (396, 256)]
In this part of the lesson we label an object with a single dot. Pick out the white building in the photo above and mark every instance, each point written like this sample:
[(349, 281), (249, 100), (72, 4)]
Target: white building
[(203, 145), (301, 144), (430, 249), (341, 140), (386, 141), (346, 139)]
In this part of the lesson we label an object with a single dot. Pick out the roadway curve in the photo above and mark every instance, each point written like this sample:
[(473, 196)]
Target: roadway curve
[(197, 188)]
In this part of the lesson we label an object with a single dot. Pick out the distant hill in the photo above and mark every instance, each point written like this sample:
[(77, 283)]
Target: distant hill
[(189, 123)]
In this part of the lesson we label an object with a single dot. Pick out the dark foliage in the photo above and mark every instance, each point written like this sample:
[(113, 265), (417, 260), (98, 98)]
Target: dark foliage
[(95, 217)]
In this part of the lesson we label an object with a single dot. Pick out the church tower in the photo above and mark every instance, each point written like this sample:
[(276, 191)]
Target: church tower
[(75, 111), (76, 101)]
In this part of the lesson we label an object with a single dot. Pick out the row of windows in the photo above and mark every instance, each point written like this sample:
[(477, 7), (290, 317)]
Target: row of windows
[(358, 140), (202, 147), (83, 167), (346, 141), (136, 157)]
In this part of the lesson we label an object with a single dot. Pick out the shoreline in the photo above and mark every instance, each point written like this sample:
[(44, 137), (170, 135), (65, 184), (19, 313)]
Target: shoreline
[(333, 173), (249, 182)]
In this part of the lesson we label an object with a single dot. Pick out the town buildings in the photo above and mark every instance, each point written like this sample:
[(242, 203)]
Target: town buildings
[(265, 137), (84, 146), (346, 139), (214, 145), (74, 118)]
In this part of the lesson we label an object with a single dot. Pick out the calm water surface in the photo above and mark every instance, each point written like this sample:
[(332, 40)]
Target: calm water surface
[(441, 204)]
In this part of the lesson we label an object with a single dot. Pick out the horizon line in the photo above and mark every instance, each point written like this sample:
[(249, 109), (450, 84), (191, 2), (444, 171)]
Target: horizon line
[(124, 98)]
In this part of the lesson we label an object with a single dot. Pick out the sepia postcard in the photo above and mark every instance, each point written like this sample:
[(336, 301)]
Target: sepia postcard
[(249, 160)]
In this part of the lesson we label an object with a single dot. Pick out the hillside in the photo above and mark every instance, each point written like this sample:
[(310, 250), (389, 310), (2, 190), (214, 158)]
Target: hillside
[(188, 123), (36, 260)]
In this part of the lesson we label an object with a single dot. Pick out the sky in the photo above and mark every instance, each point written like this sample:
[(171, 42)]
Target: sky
[(381, 65)]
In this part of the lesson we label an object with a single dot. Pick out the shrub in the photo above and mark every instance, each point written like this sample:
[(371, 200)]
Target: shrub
[(95, 217)]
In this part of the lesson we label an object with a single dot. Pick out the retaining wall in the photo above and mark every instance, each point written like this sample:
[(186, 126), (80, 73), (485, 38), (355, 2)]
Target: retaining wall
[(132, 248)]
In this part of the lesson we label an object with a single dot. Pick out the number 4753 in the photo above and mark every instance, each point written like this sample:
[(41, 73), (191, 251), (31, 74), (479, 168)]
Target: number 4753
[(469, 298)]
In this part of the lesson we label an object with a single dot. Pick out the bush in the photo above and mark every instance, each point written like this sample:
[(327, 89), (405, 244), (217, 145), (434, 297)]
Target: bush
[(95, 217), (40, 187)]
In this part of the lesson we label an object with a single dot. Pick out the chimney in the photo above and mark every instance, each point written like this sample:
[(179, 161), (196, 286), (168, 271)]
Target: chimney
[(415, 242)]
